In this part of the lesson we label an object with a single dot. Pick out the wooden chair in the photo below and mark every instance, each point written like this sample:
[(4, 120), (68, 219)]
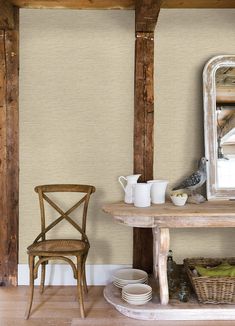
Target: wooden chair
[(60, 249)]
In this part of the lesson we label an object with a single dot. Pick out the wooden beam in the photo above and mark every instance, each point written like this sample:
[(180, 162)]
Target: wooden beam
[(143, 137), (146, 15), (75, 4), (144, 105), (119, 4), (3, 198), (197, 4), (225, 95), (6, 15), (228, 129), (9, 156)]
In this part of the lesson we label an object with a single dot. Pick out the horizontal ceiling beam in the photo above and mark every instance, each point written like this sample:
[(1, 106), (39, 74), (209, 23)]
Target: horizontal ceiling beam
[(119, 4), (75, 4), (197, 4), (6, 15)]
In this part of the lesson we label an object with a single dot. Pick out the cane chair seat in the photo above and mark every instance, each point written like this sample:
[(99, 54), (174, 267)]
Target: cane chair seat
[(62, 246), (42, 250)]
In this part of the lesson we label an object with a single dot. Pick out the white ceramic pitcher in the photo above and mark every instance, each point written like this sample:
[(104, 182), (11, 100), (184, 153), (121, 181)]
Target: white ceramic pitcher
[(142, 195), (158, 191), (129, 180)]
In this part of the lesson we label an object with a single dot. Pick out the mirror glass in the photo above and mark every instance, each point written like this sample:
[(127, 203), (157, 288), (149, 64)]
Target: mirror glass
[(219, 126), (225, 116)]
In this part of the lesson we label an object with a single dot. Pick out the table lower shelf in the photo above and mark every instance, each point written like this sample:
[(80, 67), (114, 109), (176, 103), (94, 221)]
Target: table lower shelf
[(175, 310)]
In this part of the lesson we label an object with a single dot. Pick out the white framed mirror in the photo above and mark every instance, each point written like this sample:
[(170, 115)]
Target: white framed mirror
[(219, 126)]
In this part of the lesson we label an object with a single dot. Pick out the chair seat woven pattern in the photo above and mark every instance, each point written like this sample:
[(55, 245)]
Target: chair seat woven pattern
[(55, 246)]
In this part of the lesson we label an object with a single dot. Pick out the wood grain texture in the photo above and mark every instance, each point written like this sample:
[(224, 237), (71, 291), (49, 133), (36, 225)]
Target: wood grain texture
[(144, 105), (155, 252), (143, 136), (163, 239), (228, 128), (6, 15), (9, 148), (75, 4), (142, 249), (58, 307), (120, 4), (12, 60), (198, 4), (209, 214), (225, 95), (3, 168), (146, 14)]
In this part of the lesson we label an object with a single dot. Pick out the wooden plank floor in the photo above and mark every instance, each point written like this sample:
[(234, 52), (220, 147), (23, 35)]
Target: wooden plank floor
[(58, 306)]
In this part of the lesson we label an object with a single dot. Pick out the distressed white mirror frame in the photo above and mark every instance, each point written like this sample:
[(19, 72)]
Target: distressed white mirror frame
[(210, 126)]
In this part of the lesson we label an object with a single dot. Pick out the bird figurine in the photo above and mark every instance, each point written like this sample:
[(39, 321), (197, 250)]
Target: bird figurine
[(195, 181)]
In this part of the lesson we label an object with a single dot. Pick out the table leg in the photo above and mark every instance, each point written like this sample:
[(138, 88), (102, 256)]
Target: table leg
[(163, 236), (155, 252)]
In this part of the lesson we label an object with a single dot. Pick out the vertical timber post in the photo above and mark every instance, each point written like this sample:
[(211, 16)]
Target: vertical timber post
[(146, 15), (9, 143), (143, 137)]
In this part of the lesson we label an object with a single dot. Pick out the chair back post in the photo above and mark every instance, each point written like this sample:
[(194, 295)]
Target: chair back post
[(42, 211), (84, 217)]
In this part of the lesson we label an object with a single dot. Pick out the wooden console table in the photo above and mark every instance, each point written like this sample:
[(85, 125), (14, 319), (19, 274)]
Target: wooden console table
[(165, 216)]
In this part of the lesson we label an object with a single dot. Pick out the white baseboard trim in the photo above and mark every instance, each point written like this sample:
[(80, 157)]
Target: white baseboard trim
[(61, 274)]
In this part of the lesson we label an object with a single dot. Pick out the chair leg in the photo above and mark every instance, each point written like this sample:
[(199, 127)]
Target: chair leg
[(31, 289), (43, 274), (84, 282), (79, 286)]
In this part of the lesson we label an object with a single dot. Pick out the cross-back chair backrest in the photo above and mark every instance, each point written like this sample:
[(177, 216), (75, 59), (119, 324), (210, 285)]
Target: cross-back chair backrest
[(42, 191)]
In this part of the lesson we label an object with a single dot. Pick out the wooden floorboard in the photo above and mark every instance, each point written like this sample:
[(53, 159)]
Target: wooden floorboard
[(58, 306)]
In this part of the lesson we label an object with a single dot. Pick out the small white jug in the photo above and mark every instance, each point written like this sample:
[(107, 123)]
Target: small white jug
[(158, 191), (128, 188), (142, 195)]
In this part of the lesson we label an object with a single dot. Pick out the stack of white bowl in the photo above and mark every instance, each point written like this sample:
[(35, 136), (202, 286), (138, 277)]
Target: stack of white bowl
[(126, 276), (137, 294)]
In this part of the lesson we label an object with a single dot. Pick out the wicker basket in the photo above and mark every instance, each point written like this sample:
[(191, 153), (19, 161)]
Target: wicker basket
[(211, 289)]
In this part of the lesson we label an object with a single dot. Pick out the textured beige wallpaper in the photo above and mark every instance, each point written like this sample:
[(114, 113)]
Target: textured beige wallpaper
[(76, 113), (76, 117)]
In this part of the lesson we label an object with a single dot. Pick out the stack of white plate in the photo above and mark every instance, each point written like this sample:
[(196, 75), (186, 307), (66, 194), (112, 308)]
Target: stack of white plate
[(126, 276), (137, 294)]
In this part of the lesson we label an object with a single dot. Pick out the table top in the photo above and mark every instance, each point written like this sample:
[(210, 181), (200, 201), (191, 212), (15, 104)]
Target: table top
[(208, 214)]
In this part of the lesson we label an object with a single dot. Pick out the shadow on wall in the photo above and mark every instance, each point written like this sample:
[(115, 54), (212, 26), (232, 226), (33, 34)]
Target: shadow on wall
[(98, 225), (213, 243)]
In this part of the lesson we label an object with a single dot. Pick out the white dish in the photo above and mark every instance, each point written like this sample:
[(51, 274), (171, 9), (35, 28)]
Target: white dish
[(136, 296), (140, 300), (130, 282), (179, 200), (137, 299), (130, 274), (137, 289), (138, 303), (121, 285)]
